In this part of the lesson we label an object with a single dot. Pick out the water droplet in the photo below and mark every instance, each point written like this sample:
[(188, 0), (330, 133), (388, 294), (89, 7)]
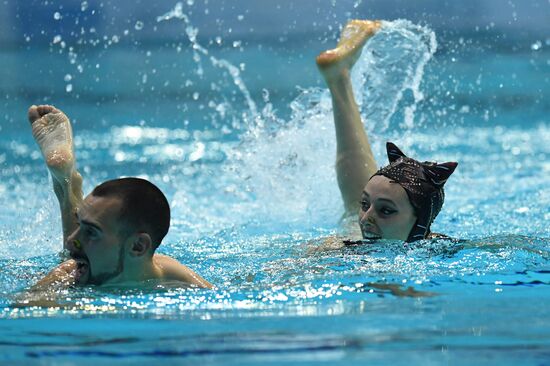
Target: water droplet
[(83, 6), (190, 2), (56, 39), (120, 156), (195, 95), (240, 17), (218, 40), (68, 78), (139, 25), (69, 88), (536, 46), (265, 95), (237, 44), (198, 153), (57, 15), (464, 109)]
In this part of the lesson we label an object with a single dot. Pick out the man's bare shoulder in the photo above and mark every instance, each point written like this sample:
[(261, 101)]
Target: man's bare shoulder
[(173, 270)]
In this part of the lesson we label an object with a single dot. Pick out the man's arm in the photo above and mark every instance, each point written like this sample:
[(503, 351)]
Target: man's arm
[(46, 292), (61, 276)]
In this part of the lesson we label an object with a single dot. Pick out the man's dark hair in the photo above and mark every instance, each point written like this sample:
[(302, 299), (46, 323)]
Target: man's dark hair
[(144, 207)]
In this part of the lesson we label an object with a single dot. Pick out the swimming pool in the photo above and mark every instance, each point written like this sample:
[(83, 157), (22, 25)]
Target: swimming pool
[(246, 160)]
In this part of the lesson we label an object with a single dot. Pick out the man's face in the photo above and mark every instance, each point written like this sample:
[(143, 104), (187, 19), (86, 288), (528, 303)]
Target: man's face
[(98, 244)]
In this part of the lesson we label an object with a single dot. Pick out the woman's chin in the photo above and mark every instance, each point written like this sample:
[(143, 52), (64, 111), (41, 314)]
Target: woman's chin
[(370, 235)]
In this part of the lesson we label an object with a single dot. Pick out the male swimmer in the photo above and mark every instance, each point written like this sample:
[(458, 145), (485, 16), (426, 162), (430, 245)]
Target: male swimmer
[(112, 234), (399, 201)]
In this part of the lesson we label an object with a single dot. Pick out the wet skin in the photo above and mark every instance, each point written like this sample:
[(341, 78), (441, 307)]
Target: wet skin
[(386, 211), (106, 251), (103, 249), (98, 244)]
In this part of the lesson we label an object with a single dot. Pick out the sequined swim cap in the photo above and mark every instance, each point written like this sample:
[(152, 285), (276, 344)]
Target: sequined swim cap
[(423, 183)]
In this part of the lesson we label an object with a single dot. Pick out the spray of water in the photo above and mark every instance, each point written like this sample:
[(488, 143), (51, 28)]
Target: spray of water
[(292, 168), (393, 62), (198, 51), (284, 170)]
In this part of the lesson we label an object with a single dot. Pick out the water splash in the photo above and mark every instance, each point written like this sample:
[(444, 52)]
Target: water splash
[(393, 62), (234, 72), (290, 167)]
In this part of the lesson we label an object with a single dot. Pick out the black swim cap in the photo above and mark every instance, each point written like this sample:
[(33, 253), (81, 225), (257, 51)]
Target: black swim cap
[(423, 183)]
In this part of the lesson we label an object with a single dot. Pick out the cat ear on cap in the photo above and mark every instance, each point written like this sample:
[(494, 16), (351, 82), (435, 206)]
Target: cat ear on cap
[(393, 152), (439, 173)]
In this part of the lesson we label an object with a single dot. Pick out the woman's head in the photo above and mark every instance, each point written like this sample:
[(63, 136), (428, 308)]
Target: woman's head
[(401, 200), (386, 211)]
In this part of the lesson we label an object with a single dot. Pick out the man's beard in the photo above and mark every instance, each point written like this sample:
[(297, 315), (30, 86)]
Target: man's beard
[(104, 277)]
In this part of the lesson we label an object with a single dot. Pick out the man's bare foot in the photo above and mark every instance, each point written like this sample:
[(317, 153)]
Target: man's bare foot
[(52, 132), (355, 34)]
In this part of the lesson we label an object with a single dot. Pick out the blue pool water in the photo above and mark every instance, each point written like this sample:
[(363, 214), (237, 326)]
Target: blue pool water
[(238, 133)]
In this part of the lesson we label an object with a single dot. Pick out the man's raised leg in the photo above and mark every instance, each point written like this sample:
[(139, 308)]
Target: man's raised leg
[(52, 132), (355, 162)]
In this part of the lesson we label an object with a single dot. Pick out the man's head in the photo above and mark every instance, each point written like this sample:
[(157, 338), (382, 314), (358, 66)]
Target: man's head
[(410, 195), (121, 223), (143, 207)]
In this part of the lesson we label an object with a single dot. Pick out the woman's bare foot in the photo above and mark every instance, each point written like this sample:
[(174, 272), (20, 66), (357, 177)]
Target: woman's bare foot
[(332, 63), (52, 132)]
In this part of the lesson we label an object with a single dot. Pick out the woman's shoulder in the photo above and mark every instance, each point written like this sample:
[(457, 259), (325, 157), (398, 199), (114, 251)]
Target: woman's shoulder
[(439, 236)]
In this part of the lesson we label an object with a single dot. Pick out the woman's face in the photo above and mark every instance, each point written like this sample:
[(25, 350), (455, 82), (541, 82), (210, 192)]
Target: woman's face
[(386, 211)]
